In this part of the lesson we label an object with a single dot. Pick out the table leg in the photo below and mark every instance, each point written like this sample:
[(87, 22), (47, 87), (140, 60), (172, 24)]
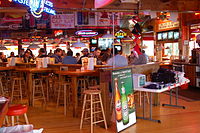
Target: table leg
[(172, 105), (74, 95), (150, 110), (29, 87)]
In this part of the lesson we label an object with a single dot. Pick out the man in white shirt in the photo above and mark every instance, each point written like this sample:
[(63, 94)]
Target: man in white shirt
[(117, 60)]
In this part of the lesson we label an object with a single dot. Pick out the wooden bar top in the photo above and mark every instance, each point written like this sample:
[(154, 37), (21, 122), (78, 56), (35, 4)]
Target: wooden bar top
[(7, 68), (34, 70), (78, 73)]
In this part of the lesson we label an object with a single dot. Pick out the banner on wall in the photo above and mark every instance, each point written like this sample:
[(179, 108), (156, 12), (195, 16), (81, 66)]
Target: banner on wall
[(62, 21), (122, 84), (106, 19)]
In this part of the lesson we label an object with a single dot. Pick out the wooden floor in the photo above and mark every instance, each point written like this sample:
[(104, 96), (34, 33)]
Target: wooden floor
[(173, 120)]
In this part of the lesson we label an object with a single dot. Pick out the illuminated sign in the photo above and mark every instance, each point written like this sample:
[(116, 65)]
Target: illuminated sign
[(168, 25), (120, 34), (86, 33), (38, 6)]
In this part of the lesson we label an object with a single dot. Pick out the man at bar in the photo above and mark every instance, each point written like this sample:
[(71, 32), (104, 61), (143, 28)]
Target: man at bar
[(69, 59), (85, 54), (57, 56), (42, 53), (96, 54), (117, 60)]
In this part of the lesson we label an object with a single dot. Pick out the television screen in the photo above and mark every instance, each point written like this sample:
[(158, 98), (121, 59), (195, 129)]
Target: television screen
[(93, 41), (104, 43), (170, 34), (159, 37), (164, 35), (176, 35)]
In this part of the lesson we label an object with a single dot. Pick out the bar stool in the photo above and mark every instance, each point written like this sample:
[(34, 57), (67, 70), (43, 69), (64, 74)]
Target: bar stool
[(82, 84), (139, 94), (16, 87), (38, 91), (45, 78), (93, 98), (17, 110), (64, 88)]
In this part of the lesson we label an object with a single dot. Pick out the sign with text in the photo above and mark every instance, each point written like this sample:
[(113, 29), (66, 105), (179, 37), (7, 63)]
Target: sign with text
[(86, 33), (120, 34), (106, 19), (38, 6), (62, 21), (168, 25), (122, 84)]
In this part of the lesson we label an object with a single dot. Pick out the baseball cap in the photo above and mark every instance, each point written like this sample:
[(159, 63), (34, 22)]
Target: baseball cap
[(85, 50)]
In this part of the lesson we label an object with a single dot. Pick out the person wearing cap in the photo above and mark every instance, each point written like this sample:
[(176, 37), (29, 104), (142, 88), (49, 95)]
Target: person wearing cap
[(85, 54)]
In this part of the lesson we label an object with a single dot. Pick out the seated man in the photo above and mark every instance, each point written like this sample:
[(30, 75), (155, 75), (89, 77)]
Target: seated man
[(57, 55), (117, 60), (69, 59)]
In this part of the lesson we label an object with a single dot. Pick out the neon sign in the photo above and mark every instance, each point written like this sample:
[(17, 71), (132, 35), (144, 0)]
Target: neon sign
[(86, 33), (120, 34), (38, 6)]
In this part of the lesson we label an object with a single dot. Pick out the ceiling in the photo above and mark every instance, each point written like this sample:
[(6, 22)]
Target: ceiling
[(164, 5)]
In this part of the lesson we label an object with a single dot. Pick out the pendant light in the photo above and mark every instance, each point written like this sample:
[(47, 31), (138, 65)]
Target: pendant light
[(108, 35), (34, 45), (78, 44)]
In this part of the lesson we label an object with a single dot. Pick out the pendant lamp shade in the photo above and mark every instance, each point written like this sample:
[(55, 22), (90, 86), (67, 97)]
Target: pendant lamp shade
[(3, 47), (78, 44), (108, 35), (33, 45)]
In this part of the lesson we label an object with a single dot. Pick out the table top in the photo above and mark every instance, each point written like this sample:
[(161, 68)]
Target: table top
[(78, 73), (184, 81), (34, 70), (7, 68)]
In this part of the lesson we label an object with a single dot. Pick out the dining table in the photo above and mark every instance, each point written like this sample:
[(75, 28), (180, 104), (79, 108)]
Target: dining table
[(74, 79), (29, 75)]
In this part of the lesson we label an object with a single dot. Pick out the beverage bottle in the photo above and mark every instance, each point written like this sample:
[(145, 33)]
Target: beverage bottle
[(125, 113), (118, 107)]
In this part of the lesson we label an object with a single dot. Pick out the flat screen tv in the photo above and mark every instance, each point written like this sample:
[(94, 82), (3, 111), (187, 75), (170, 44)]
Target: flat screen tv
[(171, 35), (164, 35), (176, 35), (159, 36), (104, 43)]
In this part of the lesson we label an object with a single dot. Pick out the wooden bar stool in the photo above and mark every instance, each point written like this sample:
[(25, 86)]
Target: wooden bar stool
[(17, 110), (64, 88), (45, 79), (16, 88), (139, 95), (38, 91), (93, 98)]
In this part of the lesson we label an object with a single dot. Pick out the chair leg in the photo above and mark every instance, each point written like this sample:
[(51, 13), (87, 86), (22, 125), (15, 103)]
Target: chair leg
[(43, 93), (12, 120), (83, 111), (91, 112), (58, 98), (6, 120), (102, 109), (26, 118), (20, 89), (65, 100), (33, 97)]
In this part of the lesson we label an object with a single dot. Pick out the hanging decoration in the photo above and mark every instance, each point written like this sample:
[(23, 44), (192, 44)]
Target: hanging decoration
[(135, 28)]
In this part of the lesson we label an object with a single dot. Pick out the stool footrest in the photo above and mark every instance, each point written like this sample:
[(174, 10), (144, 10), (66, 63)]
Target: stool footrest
[(98, 122)]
